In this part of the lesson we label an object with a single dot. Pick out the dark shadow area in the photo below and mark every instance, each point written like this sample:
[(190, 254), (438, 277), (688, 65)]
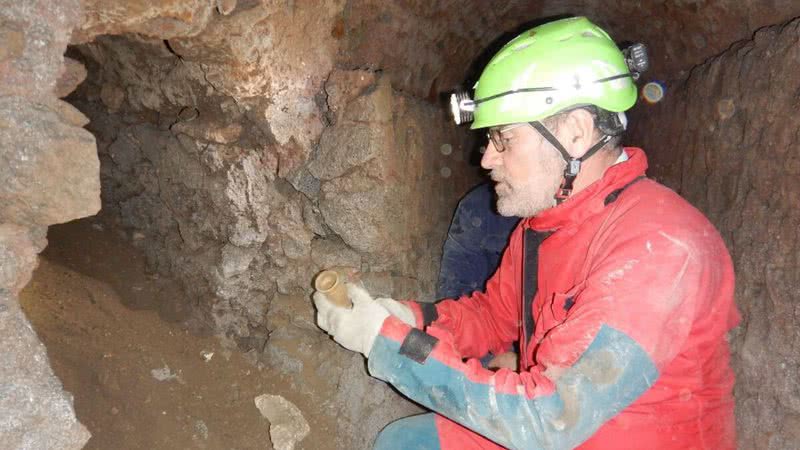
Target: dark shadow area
[(106, 253)]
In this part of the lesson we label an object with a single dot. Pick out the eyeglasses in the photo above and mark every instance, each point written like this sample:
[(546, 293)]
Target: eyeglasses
[(495, 135)]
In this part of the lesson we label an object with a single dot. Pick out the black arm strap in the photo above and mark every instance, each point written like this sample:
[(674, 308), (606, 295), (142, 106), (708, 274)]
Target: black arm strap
[(614, 195), (429, 313), (530, 282), (418, 345)]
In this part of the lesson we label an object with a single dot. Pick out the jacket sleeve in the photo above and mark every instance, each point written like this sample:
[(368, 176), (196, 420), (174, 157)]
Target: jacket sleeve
[(486, 321), (630, 318)]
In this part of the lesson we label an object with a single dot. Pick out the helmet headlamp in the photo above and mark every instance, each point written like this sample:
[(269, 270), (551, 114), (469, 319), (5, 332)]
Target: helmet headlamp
[(636, 59), (462, 107)]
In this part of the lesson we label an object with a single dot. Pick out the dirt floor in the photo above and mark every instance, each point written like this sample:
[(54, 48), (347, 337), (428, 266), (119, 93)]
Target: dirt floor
[(117, 338)]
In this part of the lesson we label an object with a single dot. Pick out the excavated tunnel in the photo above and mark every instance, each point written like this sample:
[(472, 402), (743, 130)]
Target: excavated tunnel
[(173, 174)]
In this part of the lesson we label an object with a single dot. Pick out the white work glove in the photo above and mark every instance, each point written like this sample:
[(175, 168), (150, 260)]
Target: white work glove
[(399, 310), (354, 329)]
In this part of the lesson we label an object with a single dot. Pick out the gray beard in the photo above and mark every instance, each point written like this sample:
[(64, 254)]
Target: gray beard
[(515, 206), (528, 201)]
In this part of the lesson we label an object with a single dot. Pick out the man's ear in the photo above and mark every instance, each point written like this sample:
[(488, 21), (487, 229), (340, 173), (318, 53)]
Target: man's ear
[(577, 132)]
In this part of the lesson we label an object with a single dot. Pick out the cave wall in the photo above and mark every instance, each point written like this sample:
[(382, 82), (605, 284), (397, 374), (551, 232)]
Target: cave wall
[(427, 46), (726, 139), (243, 181), (48, 174), (218, 202)]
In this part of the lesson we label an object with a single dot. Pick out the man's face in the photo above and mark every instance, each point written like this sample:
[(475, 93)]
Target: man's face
[(527, 172)]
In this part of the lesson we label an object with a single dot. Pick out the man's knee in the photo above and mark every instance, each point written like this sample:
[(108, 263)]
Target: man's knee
[(411, 433)]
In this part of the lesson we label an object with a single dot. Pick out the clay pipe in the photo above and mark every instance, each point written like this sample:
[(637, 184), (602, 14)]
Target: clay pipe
[(331, 283)]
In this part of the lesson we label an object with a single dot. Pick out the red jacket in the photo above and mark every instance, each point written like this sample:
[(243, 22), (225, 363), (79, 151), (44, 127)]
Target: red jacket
[(628, 350)]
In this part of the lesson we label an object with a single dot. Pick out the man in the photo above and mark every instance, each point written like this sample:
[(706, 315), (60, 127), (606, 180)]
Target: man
[(619, 292)]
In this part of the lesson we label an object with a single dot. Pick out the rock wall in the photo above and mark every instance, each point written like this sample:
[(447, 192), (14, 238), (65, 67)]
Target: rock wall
[(219, 203), (48, 174), (726, 139), (243, 162)]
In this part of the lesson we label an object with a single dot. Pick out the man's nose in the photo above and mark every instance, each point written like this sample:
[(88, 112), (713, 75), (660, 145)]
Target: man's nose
[(491, 157)]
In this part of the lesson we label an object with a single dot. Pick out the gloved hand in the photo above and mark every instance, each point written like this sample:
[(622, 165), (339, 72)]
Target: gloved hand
[(398, 310), (354, 329)]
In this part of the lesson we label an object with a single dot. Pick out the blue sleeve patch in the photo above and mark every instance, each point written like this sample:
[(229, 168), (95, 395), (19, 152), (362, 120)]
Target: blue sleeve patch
[(610, 375)]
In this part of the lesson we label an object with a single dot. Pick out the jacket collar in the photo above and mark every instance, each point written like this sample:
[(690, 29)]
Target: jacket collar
[(591, 200)]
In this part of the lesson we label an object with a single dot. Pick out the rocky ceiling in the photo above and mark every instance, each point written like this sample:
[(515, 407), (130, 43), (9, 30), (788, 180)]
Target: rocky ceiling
[(429, 46)]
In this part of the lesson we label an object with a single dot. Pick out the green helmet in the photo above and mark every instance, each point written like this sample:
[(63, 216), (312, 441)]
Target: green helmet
[(550, 68)]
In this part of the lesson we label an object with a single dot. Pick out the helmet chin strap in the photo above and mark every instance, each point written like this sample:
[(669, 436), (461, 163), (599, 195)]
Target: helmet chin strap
[(573, 164)]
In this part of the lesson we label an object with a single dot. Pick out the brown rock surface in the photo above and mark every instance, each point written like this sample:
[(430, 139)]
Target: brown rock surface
[(204, 184), (18, 248), (727, 140), (48, 168), (128, 368), (35, 34), (167, 18), (14, 41), (48, 174), (74, 73), (36, 411)]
